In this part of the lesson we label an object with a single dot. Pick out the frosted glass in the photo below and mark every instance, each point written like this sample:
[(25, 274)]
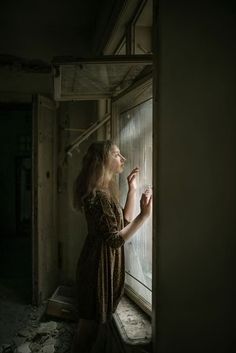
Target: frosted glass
[(135, 130), (98, 79)]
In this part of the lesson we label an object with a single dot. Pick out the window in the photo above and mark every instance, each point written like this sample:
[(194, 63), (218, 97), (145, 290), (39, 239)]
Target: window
[(134, 127), (133, 34), (142, 29)]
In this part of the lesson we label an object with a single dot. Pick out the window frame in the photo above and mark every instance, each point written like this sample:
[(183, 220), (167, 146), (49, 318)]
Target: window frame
[(127, 100), (133, 24), (126, 32)]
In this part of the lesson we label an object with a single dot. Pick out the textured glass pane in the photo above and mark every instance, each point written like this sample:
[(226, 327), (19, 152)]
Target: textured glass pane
[(135, 127), (97, 79)]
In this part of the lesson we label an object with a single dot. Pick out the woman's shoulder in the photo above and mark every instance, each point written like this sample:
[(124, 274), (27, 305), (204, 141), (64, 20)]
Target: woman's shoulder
[(102, 196), (97, 196)]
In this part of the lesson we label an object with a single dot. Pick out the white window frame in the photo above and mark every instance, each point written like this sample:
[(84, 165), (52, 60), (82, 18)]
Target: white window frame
[(118, 104)]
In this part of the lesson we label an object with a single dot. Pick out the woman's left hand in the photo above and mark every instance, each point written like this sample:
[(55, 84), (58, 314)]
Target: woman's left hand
[(132, 180)]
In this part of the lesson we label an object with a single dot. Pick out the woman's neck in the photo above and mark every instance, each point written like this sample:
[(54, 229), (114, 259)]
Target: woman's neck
[(105, 183)]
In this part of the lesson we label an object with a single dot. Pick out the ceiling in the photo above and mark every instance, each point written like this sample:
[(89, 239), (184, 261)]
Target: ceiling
[(38, 31)]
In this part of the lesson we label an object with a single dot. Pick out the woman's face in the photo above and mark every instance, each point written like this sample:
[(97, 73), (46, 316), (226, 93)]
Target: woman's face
[(116, 160)]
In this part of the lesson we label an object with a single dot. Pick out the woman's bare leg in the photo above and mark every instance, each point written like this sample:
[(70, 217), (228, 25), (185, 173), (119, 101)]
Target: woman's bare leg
[(85, 336)]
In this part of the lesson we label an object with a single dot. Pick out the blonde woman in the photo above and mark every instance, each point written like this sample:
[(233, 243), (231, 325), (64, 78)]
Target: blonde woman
[(101, 267)]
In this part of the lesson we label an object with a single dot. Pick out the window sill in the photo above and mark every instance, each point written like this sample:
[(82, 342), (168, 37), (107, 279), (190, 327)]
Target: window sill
[(134, 326)]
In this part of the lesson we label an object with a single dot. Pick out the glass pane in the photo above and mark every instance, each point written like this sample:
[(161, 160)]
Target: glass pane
[(135, 127), (89, 80)]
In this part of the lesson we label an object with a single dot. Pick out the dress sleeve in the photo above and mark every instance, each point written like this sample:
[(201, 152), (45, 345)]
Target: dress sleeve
[(106, 222)]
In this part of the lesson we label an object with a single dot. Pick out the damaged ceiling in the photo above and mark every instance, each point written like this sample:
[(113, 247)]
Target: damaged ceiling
[(32, 33)]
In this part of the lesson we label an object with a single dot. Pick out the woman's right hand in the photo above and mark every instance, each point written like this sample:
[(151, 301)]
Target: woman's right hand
[(146, 204)]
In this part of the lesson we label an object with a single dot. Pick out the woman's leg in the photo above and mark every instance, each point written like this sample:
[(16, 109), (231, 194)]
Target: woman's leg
[(85, 336)]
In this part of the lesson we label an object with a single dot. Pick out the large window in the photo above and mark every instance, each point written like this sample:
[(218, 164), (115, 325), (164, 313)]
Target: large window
[(132, 129), (135, 142)]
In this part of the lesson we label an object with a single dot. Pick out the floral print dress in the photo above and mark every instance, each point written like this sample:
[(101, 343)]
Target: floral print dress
[(101, 271)]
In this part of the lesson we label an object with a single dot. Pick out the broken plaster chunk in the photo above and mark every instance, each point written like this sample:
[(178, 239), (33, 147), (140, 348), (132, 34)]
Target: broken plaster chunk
[(47, 327), (24, 348)]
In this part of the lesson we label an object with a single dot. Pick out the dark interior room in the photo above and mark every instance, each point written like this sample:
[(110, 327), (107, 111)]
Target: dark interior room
[(157, 77)]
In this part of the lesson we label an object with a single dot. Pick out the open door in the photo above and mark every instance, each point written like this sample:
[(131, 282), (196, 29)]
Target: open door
[(45, 242)]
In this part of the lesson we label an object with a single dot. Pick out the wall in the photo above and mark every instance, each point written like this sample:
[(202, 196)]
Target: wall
[(18, 86), (42, 30), (196, 177), (71, 224)]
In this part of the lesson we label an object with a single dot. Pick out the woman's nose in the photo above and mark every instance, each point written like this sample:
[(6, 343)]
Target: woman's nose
[(122, 157)]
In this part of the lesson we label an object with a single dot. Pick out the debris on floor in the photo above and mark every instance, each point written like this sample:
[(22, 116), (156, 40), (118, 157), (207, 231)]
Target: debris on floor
[(49, 337), (24, 329)]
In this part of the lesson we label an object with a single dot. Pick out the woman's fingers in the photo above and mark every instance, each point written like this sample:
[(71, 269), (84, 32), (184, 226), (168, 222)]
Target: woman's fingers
[(133, 175), (150, 200), (130, 176), (134, 172), (144, 198), (146, 204)]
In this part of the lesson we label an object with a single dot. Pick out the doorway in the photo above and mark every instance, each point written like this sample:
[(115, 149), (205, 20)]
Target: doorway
[(16, 195)]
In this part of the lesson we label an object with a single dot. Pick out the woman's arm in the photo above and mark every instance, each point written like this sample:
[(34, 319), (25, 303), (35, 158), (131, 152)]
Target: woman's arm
[(131, 195), (106, 223), (146, 207), (129, 206)]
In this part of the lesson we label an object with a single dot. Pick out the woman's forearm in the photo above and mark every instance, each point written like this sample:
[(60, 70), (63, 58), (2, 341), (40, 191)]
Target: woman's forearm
[(130, 205), (128, 231)]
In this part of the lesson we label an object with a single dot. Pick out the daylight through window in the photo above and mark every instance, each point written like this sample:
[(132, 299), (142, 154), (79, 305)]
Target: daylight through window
[(135, 131)]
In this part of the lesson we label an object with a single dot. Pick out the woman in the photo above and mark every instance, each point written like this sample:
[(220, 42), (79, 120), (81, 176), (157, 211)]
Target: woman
[(101, 270)]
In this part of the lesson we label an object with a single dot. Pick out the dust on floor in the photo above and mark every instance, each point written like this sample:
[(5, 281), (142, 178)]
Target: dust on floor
[(25, 329)]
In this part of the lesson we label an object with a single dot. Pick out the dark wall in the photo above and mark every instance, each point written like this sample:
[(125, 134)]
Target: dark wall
[(196, 177), (42, 30), (15, 122)]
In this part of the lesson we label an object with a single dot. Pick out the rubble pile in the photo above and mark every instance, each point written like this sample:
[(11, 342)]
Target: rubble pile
[(24, 329), (47, 337)]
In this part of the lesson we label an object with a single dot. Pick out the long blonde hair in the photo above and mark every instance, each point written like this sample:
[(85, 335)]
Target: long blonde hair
[(92, 173)]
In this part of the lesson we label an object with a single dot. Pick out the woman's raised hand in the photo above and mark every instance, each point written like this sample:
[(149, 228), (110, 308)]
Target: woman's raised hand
[(146, 204), (132, 180)]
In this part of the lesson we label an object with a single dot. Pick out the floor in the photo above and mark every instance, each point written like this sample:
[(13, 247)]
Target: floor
[(25, 328)]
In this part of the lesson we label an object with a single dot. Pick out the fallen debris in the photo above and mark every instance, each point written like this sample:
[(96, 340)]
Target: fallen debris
[(25, 330)]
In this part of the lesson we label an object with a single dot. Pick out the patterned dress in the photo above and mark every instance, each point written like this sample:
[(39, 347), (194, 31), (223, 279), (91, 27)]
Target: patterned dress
[(100, 270)]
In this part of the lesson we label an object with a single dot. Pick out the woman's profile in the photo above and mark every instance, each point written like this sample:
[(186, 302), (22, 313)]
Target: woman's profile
[(101, 267)]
